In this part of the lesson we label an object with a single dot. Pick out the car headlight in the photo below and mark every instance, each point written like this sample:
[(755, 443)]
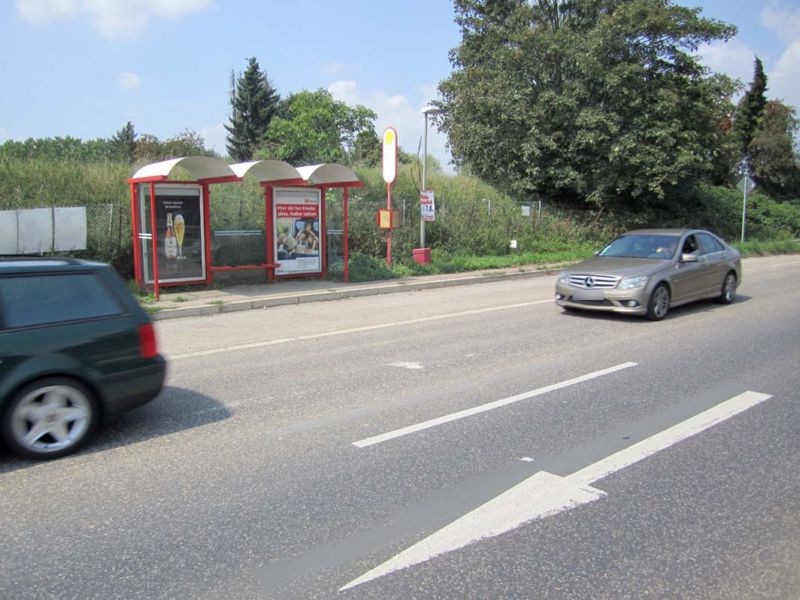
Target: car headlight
[(633, 283), (563, 278)]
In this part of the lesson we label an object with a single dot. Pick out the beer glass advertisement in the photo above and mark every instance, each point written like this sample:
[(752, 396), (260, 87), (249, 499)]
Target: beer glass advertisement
[(179, 234), (297, 231)]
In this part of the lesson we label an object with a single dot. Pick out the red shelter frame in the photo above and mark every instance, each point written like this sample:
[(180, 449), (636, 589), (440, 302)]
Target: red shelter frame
[(271, 174)]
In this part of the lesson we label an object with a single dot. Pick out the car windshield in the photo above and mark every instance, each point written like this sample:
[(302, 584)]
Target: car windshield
[(642, 246)]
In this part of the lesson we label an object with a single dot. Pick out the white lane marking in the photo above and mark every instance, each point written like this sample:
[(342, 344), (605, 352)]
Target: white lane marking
[(412, 366), (545, 494), (384, 437), (677, 433), (316, 336)]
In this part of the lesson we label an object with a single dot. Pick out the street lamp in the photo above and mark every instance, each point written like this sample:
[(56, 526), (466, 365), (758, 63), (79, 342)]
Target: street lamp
[(428, 110)]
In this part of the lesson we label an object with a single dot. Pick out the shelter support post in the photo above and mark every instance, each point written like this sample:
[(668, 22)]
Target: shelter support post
[(269, 230), (136, 228), (206, 191), (153, 239), (323, 230), (345, 234)]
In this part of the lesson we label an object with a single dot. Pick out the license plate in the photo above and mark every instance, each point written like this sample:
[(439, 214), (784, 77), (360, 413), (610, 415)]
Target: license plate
[(587, 295)]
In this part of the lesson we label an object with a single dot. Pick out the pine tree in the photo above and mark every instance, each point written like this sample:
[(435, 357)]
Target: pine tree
[(124, 142), (254, 103), (751, 108)]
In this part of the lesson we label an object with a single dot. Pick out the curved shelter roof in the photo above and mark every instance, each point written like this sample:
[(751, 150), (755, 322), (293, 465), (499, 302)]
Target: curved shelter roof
[(204, 168), (267, 170), (200, 167), (330, 174)]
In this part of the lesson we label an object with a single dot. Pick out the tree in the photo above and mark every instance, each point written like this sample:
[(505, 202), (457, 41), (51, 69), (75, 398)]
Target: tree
[(367, 150), (254, 103), (773, 152), (186, 143), (598, 101), (751, 108), (124, 142), (313, 127)]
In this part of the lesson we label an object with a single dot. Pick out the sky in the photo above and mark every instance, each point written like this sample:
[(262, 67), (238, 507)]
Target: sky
[(83, 68)]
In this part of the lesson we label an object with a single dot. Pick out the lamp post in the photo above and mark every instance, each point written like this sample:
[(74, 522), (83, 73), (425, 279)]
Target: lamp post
[(428, 110)]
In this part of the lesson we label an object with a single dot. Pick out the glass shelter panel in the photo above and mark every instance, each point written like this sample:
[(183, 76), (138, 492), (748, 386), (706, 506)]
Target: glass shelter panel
[(180, 237)]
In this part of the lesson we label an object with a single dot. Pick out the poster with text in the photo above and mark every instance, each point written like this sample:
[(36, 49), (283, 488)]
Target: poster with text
[(298, 243), (180, 246), (427, 205)]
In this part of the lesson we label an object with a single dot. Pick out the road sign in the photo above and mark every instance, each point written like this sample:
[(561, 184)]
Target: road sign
[(389, 155), (746, 184), (427, 205)]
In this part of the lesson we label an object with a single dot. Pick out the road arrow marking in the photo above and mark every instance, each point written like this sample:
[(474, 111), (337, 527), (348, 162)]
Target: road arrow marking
[(384, 437), (545, 494)]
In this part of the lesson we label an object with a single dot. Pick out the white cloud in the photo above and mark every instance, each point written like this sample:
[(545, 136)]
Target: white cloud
[(397, 111), (129, 81), (782, 20), (333, 68), (783, 77), (730, 58), (345, 91), (215, 138), (112, 18), (37, 11)]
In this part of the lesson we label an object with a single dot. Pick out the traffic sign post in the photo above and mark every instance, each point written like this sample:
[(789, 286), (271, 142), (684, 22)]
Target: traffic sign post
[(746, 185)]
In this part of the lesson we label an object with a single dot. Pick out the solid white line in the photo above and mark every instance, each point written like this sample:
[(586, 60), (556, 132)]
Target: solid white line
[(668, 437), (371, 441), (319, 335), (544, 494)]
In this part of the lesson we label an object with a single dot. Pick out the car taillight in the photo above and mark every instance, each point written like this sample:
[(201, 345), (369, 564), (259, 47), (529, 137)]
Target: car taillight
[(148, 347)]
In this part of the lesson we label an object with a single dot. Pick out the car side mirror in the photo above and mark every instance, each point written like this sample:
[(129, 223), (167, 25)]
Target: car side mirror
[(688, 258)]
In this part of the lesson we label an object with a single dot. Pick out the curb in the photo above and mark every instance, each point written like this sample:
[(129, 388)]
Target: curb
[(340, 294)]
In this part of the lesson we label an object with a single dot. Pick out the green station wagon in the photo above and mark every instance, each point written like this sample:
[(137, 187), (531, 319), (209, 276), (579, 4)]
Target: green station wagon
[(75, 349)]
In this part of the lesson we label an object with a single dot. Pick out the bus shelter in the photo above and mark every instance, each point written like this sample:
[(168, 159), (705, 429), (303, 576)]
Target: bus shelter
[(171, 219)]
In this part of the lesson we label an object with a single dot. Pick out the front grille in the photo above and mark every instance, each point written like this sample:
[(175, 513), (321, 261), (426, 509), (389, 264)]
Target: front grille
[(607, 303), (593, 282)]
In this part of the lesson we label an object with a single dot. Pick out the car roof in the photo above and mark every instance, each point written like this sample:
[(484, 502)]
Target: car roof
[(38, 264), (665, 231)]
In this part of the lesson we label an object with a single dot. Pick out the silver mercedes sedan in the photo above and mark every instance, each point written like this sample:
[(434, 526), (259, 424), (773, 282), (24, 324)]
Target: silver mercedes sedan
[(647, 272)]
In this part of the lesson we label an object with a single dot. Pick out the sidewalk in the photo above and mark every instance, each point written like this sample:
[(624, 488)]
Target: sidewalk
[(233, 298)]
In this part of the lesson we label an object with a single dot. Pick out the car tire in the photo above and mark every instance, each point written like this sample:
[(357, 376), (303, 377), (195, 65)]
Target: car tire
[(658, 306), (49, 418), (728, 292)]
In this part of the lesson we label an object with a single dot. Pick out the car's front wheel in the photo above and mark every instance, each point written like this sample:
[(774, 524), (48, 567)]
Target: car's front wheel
[(728, 293), (658, 307), (49, 418)]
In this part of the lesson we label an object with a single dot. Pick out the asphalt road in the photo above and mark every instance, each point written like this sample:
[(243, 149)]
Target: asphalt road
[(470, 442)]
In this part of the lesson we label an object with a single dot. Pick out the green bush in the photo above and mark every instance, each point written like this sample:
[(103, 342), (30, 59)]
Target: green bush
[(368, 268)]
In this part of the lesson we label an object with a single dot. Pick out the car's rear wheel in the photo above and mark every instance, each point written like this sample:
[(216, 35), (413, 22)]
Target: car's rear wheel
[(49, 418), (728, 293), (658, 307)]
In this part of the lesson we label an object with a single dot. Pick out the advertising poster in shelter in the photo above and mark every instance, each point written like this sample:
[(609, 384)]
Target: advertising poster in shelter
[(297, 231), (180, 243)]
